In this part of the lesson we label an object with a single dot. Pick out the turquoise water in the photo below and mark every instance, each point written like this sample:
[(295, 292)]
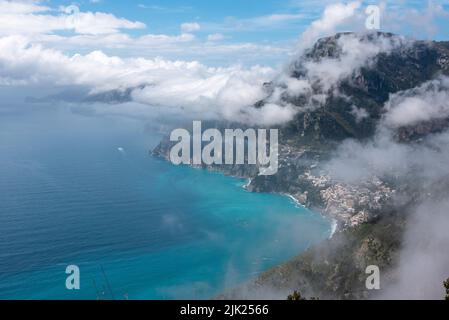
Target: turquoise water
[(70, 195)]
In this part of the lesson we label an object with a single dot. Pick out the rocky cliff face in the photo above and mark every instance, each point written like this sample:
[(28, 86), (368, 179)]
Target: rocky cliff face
[(403, 65)]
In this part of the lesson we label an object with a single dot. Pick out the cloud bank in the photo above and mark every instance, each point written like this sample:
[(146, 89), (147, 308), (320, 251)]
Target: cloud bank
[(225, 92), (28, 56)]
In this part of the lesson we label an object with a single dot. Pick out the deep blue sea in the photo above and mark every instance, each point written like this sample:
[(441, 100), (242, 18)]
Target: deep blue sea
[(83, 190)]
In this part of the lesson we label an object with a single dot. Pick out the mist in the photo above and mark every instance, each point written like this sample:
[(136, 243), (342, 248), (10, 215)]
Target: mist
[(420, 171)]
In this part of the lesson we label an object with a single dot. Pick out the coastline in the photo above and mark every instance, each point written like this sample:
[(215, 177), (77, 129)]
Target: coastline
[(333, 221), (335, 225)]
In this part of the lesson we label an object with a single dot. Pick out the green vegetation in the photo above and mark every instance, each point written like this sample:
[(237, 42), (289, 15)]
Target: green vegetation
[(295, 296), (336, 268), (446, 286)]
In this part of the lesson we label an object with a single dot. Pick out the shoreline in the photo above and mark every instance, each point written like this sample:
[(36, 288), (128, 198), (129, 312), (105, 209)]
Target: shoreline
[(333, 221)]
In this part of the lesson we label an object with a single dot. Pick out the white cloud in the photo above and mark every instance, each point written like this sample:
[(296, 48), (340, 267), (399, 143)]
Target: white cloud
[(190, 27), (226, 93), (183, 46), (102, 31), (359, 113), (429, 101), (333, 16), (271, 114), (419, 170), (99, 23), (423, 261), (422, 22), (356, 51), (32, 18), (215, 37), (21, 7), (317, 77), (71, 30)]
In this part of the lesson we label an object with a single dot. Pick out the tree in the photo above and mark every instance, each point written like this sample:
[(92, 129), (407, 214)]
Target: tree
[(295, 296), (446, 286)]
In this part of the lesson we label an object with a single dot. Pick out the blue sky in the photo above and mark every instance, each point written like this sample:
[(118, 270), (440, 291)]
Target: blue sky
[(272, 23), (166, 16), (221, 32)]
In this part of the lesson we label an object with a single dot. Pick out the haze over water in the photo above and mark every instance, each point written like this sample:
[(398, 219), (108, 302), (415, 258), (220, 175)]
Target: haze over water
[(83, 190)]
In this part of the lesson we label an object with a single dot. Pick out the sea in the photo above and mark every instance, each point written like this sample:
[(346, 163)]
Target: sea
[(82, 190)]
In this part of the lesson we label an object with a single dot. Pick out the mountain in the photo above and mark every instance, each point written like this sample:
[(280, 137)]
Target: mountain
[(349, 87), (405, 66)]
